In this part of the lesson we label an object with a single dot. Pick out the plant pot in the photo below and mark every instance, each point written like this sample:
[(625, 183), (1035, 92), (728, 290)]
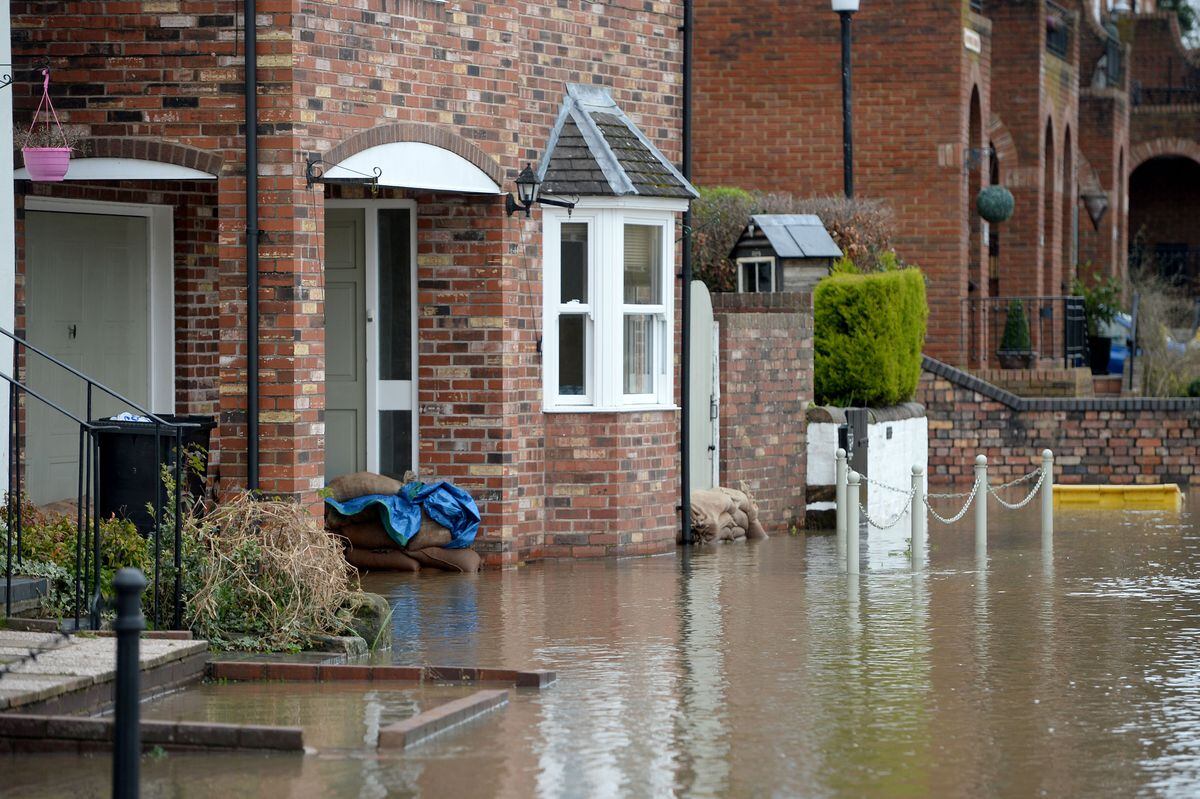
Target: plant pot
[(47, 164), (1099, 352), (1016, 359)]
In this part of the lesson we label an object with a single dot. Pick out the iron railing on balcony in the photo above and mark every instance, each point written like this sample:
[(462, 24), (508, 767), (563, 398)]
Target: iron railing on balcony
[(1057, 328), (86, 602), (1058, 29), (1180, 85)]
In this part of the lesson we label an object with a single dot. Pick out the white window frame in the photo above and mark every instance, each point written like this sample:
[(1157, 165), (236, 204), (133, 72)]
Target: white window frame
[(758, 259), (606, 218)]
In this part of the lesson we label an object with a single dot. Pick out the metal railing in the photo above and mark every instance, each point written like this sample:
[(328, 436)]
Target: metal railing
[(1057, 328), (1182, 85), (1178, 265), (1058, 29), (86, 575)]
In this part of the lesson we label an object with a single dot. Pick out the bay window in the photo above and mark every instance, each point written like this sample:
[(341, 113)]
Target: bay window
[(609, 270)]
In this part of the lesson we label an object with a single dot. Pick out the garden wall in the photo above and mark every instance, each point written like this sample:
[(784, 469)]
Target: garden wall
[(1105, 440), (766, 363)]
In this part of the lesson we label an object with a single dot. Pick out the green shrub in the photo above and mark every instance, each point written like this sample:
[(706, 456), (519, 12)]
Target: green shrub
[(1016, 329), (868, 334), (1193, 389)]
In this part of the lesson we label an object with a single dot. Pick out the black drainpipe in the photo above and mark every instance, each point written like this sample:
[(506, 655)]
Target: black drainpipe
[(685, 348), (251, 71)]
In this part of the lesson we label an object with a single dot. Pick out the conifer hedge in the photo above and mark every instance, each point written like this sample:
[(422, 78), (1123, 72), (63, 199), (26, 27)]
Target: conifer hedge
[(868, 333)]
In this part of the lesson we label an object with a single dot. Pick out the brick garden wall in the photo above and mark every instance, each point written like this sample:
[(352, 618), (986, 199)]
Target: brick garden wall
[(766, 363), (1118, 441)]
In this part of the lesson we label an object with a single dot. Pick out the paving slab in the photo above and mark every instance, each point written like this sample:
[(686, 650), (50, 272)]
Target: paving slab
[(51, 665)]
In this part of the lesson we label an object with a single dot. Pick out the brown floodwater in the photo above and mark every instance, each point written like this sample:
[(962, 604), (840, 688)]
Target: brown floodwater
[(761, 671)]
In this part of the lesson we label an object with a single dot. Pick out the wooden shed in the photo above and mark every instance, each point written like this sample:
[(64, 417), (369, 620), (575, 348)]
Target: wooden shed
[(783, 252)]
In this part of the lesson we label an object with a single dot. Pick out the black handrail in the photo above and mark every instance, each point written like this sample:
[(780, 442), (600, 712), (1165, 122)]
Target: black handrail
[(119, 397), (88, 499)]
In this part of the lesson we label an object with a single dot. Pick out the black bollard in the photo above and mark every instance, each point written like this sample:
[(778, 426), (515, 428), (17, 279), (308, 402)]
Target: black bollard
[(127, 733)]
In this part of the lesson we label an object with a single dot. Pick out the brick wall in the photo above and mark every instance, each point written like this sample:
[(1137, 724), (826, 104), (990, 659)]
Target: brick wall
[(766, 364), (483, 79), (1117, 441), (768, 78)]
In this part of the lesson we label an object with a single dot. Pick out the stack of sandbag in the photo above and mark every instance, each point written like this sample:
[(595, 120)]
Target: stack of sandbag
[(723, 514), (366, 541)]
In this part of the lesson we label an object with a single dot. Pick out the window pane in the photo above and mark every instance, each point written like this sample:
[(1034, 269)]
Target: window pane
[(639, 353), (764, 276), (643, 272), (572, 354), (395, 443), (749, 279), (395, 295), (574, 265)]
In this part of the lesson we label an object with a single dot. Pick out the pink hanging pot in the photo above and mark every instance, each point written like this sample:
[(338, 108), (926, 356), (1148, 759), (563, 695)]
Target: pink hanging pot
[(47, 164)]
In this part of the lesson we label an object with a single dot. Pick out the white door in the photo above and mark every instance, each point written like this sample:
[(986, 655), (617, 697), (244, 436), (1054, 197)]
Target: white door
[(87, 303), (345, 342), (370, 337), (703, 391)]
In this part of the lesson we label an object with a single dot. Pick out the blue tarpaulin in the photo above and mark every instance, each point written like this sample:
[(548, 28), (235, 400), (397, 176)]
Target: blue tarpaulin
[(446, 504)]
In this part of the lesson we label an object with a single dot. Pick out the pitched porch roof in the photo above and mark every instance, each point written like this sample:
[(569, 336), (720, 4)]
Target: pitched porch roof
[(595, 150)]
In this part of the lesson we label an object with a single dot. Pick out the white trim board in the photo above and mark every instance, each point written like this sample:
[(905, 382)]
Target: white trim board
[(160, 294)]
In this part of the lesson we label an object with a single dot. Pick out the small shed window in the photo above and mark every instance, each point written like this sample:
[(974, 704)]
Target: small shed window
[(758, 275)]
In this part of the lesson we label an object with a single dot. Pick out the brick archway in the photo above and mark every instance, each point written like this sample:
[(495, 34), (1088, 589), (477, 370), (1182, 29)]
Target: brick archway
[(432, 135), (1141, 153), (153, 150), (1006, 148)]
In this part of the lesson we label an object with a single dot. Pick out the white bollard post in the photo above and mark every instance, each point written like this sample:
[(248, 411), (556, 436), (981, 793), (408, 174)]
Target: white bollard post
[(839, 458), (917, 518), (981, 497), (1047, 493), (852, 498)]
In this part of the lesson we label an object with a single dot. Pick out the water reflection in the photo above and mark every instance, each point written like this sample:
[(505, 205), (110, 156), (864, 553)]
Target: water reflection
[(1053, 667)]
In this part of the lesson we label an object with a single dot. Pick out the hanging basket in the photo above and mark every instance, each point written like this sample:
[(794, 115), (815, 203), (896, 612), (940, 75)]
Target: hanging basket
[(47, 164), (995, 204)]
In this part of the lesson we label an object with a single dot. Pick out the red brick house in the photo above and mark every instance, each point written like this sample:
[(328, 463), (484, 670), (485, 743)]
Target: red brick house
[(409, 324), (948, 97)]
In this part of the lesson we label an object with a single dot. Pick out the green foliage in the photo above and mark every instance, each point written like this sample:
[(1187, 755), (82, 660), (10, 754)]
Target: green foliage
[(861, 228), (1016, 329), (1184, 10), (868, 334), (1101, 301), (844, 266), (995, 204), (1193, 389)]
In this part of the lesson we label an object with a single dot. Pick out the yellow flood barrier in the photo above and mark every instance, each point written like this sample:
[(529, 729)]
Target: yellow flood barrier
[(1119, 497)]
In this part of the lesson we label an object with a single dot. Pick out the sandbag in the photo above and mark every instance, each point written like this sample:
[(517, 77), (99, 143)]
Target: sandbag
[(361, 484), (334, 520), (367, 535), (431, 534), (391, 560), (451, 560)]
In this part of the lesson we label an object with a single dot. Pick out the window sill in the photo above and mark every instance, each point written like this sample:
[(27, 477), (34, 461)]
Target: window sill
[(608, 408)]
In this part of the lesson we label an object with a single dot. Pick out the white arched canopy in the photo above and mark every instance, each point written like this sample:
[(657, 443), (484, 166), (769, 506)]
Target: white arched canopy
[(416, 165), (124, 169)]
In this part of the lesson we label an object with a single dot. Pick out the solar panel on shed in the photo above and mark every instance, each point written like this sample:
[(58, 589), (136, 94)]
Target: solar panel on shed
[(797, 235)]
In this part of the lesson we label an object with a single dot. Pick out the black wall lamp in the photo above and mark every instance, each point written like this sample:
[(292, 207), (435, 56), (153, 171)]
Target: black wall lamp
[(527, 194)]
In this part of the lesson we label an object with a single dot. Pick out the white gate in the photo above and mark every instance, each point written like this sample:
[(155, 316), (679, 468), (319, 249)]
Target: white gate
[(705, 394)]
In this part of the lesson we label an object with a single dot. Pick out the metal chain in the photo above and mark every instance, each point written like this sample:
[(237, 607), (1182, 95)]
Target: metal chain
[(1023, 502), (961, 513), (885, 486), (895, 520), (1020, 480)]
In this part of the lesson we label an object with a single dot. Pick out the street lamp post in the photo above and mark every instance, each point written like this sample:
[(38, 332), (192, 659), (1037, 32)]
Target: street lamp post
[(845, 9)]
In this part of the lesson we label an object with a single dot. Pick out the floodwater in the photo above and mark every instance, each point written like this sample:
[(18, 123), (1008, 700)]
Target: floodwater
[(763, 671)]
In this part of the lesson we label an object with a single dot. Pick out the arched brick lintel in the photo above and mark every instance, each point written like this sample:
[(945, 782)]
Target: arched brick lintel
[(417, 132), (1155, 148), (1006, 149), (153, 150)]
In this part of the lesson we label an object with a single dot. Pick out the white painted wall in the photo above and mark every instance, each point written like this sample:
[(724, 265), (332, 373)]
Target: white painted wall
[(7, 232), (890, 461)]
